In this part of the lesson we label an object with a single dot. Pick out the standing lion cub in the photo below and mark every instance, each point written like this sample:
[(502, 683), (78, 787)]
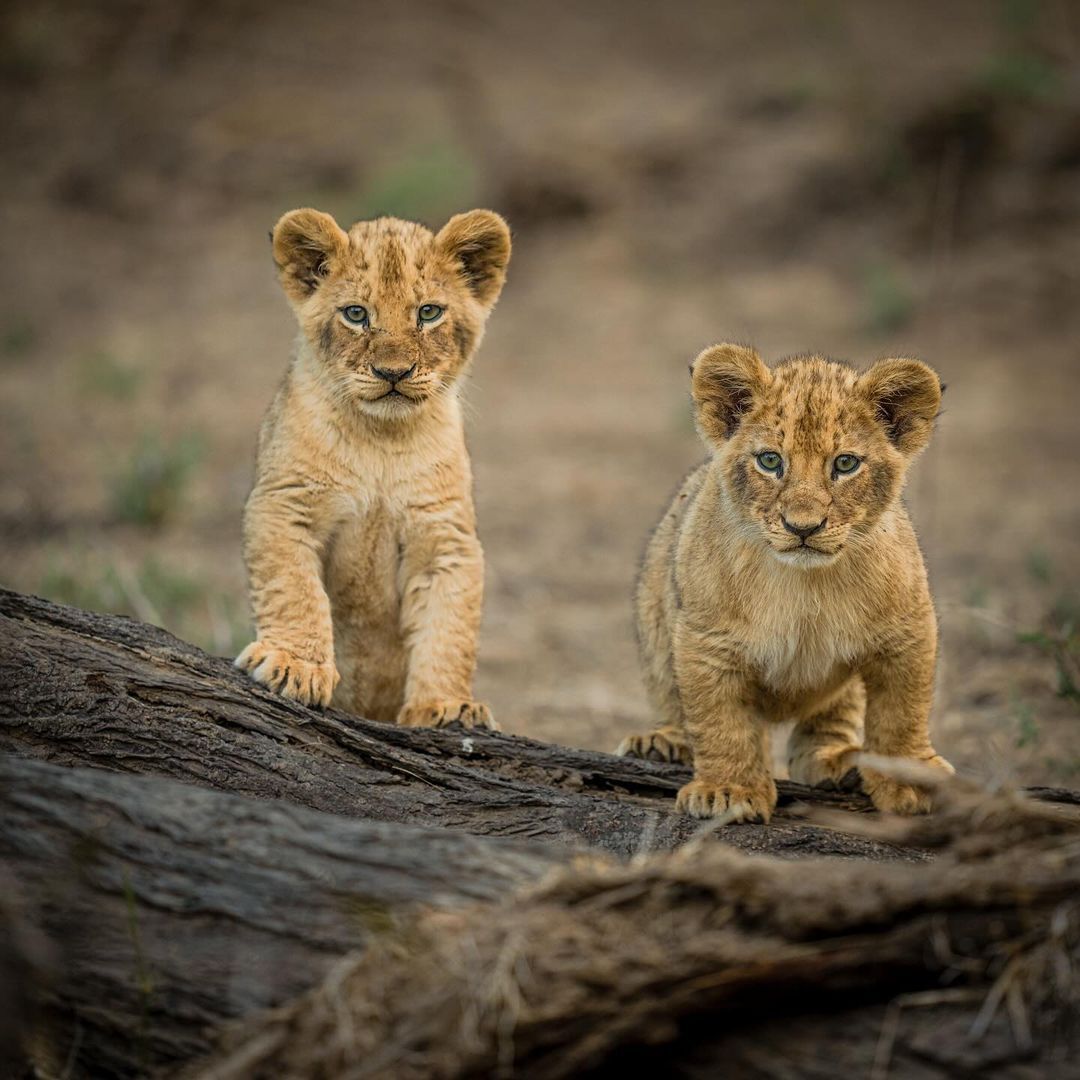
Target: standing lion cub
[(785, 583), (365, 572)]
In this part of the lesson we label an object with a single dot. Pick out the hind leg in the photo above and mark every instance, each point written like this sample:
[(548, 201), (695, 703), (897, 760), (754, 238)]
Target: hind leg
[(667, 743), (669, 740), (371, 659), (824, 744), (369, 650)]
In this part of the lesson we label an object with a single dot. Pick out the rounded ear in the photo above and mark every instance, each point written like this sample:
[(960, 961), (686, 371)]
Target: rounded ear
[(725, 381), (306, 242), (478, 243), (906, 398)]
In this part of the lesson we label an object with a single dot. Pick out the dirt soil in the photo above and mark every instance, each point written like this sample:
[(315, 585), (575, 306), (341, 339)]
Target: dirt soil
[(859, 180)]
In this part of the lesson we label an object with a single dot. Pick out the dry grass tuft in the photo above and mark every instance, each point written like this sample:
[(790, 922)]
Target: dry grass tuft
[(604, 955)]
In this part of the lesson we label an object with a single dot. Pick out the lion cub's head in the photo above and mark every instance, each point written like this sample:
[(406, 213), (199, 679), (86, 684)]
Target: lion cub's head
[(392, 311), (811, 454)]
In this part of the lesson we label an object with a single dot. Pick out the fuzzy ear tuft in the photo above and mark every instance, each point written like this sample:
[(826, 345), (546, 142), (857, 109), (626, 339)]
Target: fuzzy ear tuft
[(725, 380), (306, 244), (479, 244), (906, 398)]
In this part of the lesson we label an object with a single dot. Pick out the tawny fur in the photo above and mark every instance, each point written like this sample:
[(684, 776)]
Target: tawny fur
[(365, 571), (743, 623)]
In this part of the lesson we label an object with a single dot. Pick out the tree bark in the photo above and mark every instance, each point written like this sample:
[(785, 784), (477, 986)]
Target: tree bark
[(78, 688), (723, 964), (171, 908), (253, 841)]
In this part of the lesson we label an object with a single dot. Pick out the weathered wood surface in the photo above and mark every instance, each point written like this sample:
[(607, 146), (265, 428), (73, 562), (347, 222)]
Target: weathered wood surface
[(724, 965), (78, 688), (196, 847), (171, 908)]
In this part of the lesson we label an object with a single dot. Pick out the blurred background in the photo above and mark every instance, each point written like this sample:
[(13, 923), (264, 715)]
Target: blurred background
[(859, 179)]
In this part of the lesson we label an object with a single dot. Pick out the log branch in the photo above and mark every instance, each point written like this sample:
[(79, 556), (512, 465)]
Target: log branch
[(196, 848), (172, 908), (78, 688), (722, 965)]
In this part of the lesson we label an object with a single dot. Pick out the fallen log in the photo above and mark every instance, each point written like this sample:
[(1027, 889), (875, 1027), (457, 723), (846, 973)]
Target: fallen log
[(174, 906), (715, 963), (171, 908), (79, 688)]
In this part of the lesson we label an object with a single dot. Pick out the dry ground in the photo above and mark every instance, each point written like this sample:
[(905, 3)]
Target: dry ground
[(854, 179)]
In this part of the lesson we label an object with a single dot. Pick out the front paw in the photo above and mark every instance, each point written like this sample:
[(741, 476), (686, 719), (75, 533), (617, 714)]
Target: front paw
[(663, 744), (893, 796), (470, 714), (734, 802), (832, 766), (277, 669)]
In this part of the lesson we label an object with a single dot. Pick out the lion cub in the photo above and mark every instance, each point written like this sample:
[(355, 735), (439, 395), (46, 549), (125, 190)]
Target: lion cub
[(785, 582), (365, 572)]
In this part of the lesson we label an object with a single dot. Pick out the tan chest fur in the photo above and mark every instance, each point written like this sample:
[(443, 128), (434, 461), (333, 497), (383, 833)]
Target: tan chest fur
[(802, 634), (796, 646)]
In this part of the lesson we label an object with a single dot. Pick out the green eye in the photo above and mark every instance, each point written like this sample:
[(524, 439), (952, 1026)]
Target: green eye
[(355, 314), (846, 463), (770, 461), (428, 313)]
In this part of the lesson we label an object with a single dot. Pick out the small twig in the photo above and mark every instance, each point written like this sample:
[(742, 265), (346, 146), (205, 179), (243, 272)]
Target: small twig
[(984, 616), (219, 625), (648, 835), (994, 998), (890, 1026), (73, 1052), (707, 829), (135, 596), (1018, 1017)]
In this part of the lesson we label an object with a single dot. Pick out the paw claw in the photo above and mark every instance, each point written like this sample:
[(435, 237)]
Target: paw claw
[(850, 781), (825, 766), (663, 744), (893, 796), (469, 714), (305, 681), (734, 802)]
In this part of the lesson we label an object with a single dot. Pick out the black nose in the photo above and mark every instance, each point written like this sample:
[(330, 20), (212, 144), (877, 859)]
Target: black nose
[(393, 375), (803, 532)]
